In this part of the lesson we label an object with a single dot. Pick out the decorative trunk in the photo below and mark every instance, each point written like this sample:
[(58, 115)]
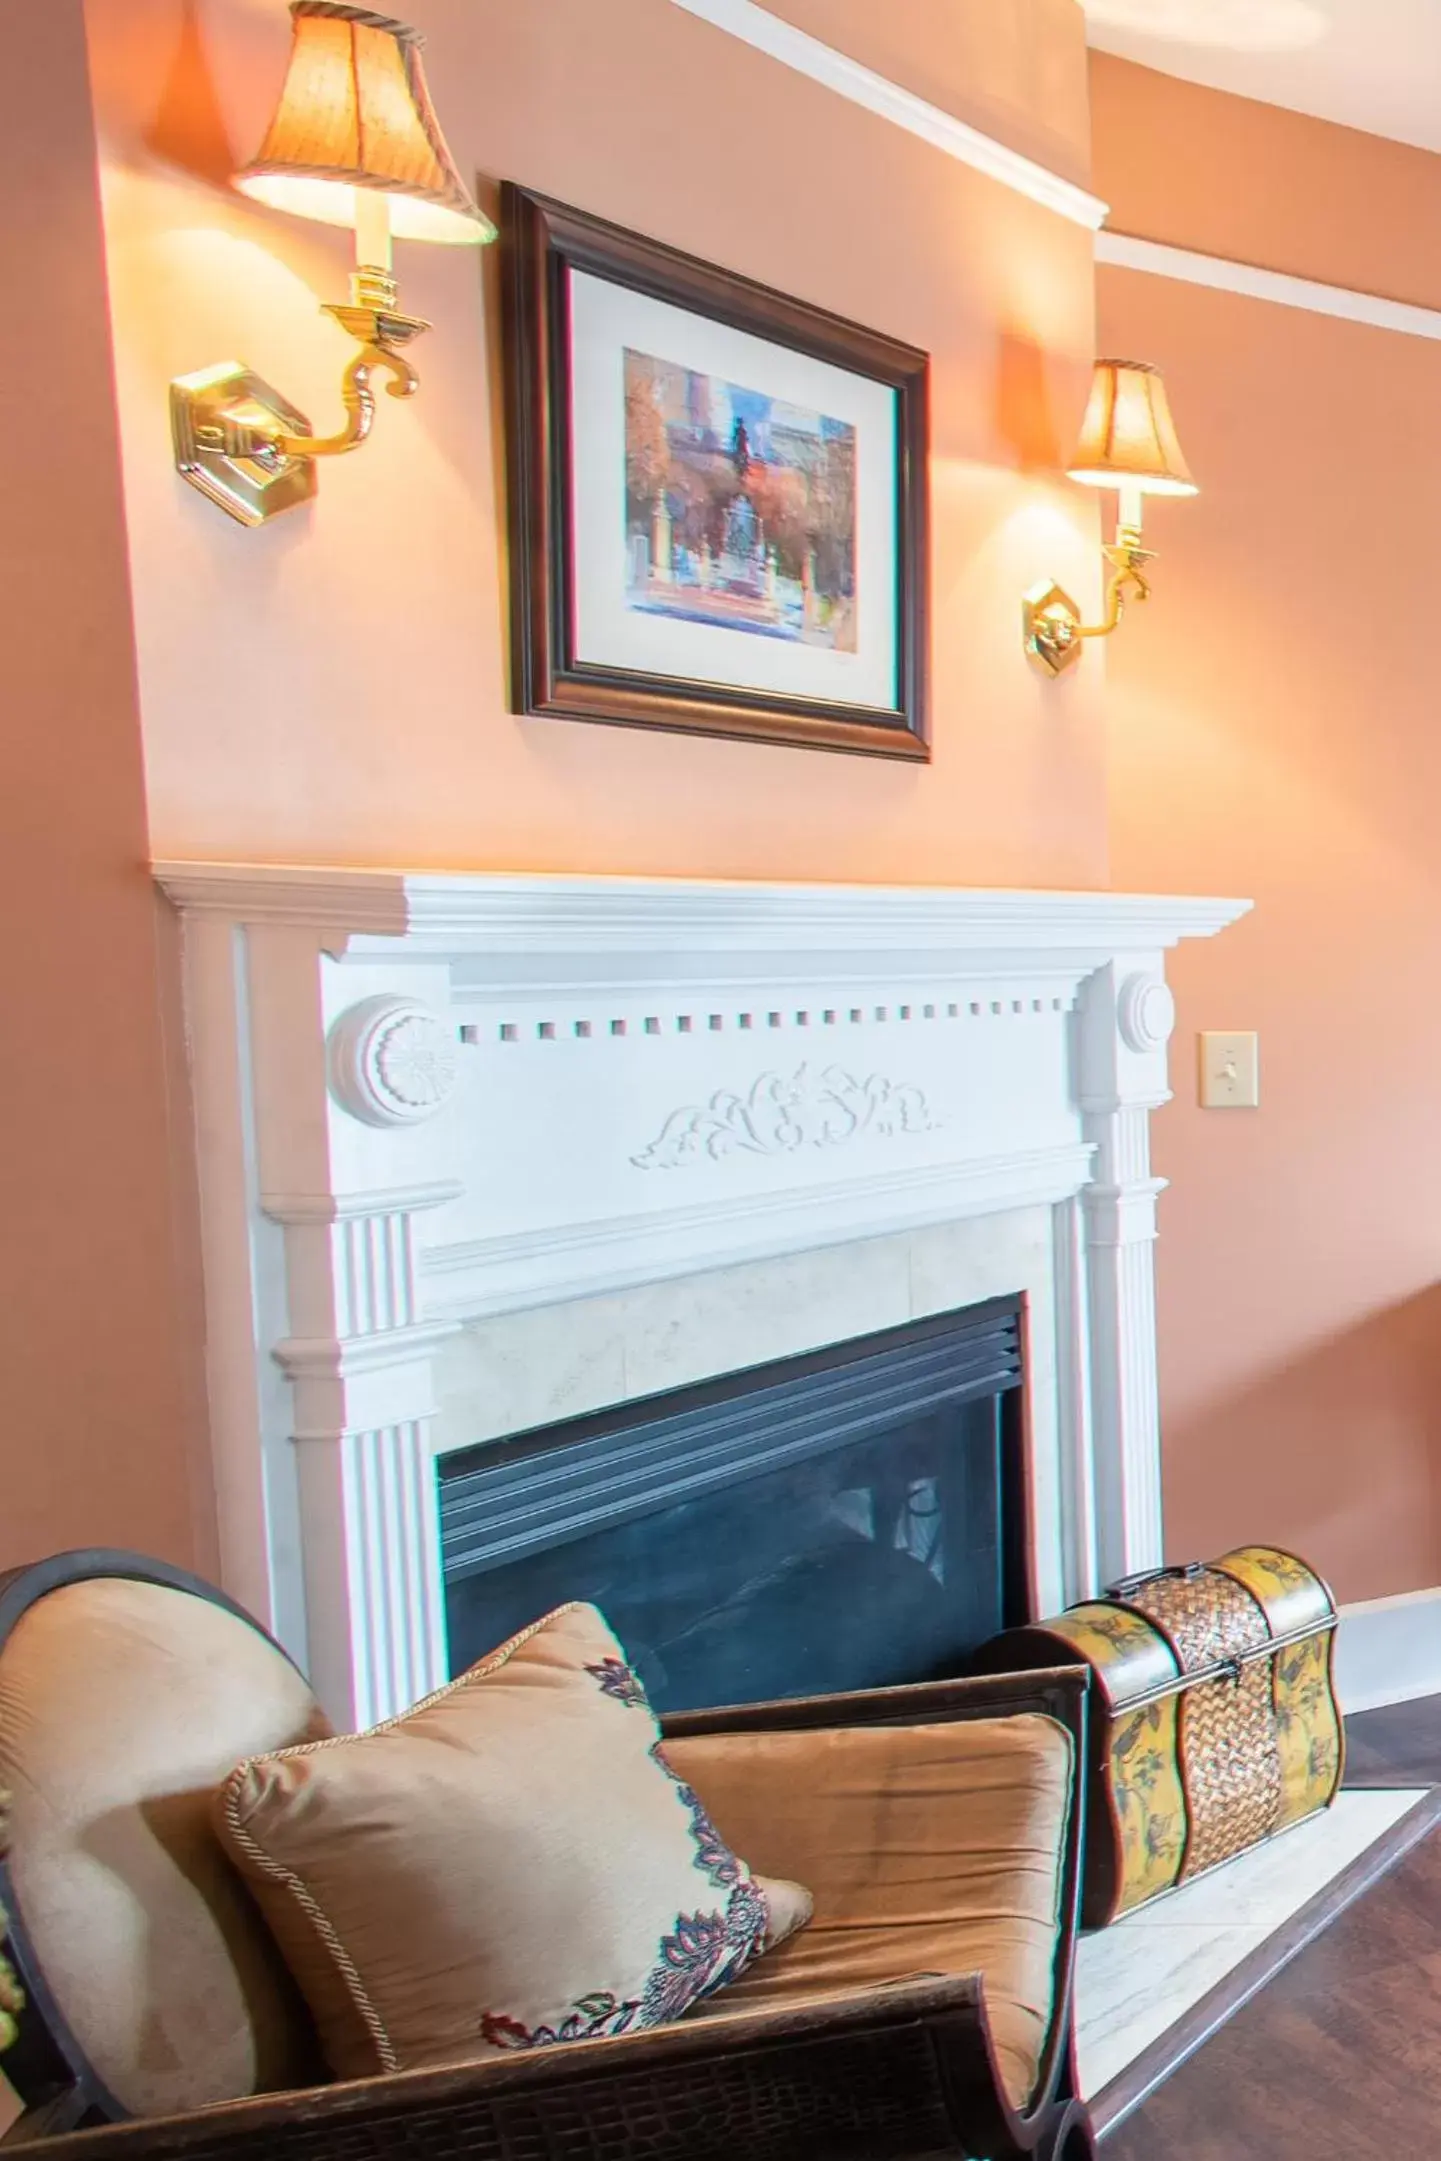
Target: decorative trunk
[(1214, 1718)]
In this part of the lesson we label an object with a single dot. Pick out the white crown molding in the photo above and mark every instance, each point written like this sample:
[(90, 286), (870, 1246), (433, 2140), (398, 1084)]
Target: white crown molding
[(1122, 251), (796, 49)]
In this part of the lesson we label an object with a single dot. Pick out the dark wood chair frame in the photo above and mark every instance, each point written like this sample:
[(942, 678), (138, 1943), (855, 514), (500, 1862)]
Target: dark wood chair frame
[(890, 2074)]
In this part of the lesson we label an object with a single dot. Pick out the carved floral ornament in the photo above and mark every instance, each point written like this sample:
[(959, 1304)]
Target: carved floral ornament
[(779, 1117), (391, 1061)]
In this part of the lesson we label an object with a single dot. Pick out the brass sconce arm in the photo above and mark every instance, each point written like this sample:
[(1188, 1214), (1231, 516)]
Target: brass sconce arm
[(373, 319), (230, 435), (359, 401), (1128, 581), (1052, 621), (250, 450)]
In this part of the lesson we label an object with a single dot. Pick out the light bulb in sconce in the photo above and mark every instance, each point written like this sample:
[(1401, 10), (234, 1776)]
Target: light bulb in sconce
[(1128, 442), (354, 142)]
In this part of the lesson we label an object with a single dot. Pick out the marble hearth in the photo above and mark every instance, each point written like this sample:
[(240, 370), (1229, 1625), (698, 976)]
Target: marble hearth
[(477, 1152)]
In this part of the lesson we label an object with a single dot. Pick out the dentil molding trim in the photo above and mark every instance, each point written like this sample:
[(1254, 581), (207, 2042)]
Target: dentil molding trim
[(797, 49)]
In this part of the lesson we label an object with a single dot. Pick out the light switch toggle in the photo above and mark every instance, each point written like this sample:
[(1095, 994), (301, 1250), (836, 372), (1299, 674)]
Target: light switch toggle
[(1230, 1072)]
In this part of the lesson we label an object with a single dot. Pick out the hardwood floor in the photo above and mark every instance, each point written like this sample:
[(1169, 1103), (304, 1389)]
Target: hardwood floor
[(1339, 2058), (1400, 1746)]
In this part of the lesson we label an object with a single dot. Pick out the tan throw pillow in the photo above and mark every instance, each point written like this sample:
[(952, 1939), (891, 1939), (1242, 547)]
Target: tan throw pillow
[(510, 1864)]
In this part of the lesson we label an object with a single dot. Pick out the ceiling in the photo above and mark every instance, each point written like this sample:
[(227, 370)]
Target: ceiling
[(1372, 64)]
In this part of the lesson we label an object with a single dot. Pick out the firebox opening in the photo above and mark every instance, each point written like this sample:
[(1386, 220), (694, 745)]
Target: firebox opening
[(852, 1518)]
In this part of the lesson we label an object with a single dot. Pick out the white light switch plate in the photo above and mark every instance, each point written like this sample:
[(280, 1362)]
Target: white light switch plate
[(1230, 1072)]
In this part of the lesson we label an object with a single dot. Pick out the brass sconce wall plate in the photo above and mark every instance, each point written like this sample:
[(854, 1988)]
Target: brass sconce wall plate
[(216, 417), (1052, 625)]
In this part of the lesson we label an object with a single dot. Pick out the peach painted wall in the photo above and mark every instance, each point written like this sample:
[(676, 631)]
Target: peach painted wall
[(1009, 71), (99, 1337), (1228, 176), (1274, 733), (333, 689)]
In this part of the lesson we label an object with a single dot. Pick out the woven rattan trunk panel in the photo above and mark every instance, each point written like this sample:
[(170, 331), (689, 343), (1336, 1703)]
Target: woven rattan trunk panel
[(1230, 1761), (1231, 1766), (1206, 1617)]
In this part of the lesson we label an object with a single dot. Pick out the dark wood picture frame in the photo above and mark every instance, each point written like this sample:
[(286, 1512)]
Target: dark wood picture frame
[(542, 243)]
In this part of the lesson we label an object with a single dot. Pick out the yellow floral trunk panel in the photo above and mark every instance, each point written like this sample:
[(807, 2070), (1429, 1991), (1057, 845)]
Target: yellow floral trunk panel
[(1149, 1801), (1308, 1728), (1293, 1595), (1230, 1766), (1127, 1656)]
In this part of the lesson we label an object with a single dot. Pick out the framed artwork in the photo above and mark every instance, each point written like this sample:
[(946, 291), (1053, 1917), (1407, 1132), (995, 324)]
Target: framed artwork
[(717, 497)]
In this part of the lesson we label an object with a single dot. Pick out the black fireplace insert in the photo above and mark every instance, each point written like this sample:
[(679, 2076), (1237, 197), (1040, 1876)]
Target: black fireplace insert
[(848, 1519)]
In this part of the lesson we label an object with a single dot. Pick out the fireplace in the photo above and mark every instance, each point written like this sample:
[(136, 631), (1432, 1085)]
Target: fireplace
[(481, 1155), (849, 1519)]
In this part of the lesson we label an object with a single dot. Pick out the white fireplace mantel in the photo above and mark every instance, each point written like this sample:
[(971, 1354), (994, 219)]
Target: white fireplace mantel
[(423, 1099)]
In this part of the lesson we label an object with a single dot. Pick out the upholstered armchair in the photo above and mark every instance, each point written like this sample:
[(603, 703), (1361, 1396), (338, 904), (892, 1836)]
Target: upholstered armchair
[(925, 2012)]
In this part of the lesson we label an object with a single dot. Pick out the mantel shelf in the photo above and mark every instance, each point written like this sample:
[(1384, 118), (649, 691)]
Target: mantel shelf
[(537, 912)]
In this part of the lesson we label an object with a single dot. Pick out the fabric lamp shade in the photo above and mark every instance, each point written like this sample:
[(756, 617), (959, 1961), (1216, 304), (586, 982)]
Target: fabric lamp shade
[(355, 113), (1128, 438)]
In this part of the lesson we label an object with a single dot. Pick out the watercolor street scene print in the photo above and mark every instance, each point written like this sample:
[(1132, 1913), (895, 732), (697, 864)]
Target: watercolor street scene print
[(740, 508)]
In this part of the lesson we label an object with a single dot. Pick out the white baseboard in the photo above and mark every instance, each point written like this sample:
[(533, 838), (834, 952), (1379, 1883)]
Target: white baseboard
[(1388, 1650)]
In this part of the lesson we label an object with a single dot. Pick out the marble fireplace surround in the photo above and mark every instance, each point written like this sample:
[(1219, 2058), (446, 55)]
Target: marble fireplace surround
[(480, 1150)]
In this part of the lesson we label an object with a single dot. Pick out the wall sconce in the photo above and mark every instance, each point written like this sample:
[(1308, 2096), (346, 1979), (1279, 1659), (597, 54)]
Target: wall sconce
[(354, 141), (1128, 441)]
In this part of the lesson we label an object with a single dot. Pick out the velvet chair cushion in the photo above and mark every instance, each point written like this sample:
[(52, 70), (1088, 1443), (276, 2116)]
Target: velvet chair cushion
[(122, 1707), (928, 1849), (508, 1865)]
